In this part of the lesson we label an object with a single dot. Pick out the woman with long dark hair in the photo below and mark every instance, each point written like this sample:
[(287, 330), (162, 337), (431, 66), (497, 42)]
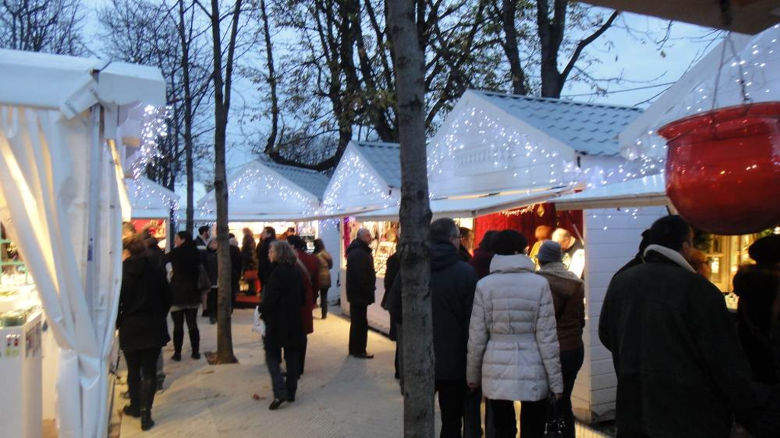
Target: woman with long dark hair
[(185, 260), (144, 300), (283, 298)]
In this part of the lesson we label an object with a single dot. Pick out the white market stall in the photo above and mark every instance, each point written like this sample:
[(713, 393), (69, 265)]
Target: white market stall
[(152, 207), (615, 215), (264, 193), (61, 202)]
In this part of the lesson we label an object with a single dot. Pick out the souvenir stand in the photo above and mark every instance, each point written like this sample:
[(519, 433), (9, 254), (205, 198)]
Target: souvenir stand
[(616, 214), (368, 177), (62, 198), (152, 207), (264, 193), (498, 158)]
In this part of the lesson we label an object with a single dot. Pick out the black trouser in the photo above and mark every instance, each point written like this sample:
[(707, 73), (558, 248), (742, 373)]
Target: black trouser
[(211, 303), (532, 418), (571, 361), (472, 417), (358, 328), (302, 356), (452, 395), (284, 387), (142, 362), (191, 316), (324, 301)]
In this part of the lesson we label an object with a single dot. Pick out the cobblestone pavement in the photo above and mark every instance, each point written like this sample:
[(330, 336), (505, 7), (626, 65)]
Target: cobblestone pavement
[(338, 396)]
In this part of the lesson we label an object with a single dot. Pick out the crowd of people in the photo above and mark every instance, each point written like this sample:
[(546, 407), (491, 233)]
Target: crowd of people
[(507, 326)]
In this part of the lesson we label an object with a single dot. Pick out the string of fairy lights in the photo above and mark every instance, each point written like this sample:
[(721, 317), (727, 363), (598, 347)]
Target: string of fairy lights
[(353, 172), (751, 74)]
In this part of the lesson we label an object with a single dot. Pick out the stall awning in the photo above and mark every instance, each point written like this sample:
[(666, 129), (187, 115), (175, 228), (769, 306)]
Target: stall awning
[(150, 200), (473, 206), (67, 83), (640, 192)]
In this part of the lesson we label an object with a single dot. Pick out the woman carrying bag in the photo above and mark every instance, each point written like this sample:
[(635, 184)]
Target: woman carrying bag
[(513, 345)]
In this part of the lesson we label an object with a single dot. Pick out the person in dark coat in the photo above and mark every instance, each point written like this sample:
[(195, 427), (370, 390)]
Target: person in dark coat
[(758, 325), (144, 300), (202, 242), (680, 369), (326, 264), (568, 293), (248, 247), (361, 283), (236, 265), (212, 269), (466, 244), (483, 255), (453, 282), (261, 254), (639, 258), (309, 267), (280, 309), (185, 261), (392, 268)]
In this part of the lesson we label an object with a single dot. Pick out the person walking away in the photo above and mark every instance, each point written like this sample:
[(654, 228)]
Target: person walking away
[(185, 262), (309, 267), (210, 263), (361, 283), (280, 309), (573, 251), (680, 369), (325, 265), (202, 242), (512, 323), (758, 326), (263, 262), (248, 246), (144, 299), (392, 268), (235, 270), (452, 287), (568, 294)]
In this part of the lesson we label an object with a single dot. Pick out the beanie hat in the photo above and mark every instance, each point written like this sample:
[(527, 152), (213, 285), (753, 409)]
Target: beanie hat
[(550, 251)]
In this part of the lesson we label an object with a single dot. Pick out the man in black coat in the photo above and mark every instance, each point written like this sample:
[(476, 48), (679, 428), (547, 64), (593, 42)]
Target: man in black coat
[(361, 283), (263, 263), (680, 370), (453, 282)]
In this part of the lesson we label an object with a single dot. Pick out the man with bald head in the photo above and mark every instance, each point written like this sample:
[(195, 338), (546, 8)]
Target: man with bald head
[(573, 251), (361, 283)]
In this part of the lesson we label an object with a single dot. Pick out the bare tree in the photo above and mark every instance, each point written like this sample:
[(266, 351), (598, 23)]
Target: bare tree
[(52, 26), (222, 75), (406, 23)]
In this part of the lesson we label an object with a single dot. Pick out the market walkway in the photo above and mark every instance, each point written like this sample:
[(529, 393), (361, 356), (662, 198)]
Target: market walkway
[(338, 396)]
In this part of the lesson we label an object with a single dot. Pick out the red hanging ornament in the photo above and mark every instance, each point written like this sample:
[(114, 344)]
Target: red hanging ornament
[(723, 168)]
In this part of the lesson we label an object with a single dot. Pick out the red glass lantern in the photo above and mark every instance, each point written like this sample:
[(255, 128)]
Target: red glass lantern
[(723, 168)]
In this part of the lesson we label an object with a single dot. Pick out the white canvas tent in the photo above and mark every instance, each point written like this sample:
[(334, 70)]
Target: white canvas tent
[(60, 196), (149, 200)]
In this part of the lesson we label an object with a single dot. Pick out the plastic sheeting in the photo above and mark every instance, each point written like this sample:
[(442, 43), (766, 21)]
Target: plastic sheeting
[(48, 164)]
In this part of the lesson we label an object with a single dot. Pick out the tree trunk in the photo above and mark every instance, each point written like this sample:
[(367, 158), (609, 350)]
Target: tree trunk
[(221, 111), (272, 83), (415, 217), (508, 12), (186, 83)]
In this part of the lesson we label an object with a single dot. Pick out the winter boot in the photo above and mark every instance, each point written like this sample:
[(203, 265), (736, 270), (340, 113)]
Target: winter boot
[(195, 342), (148, 388)]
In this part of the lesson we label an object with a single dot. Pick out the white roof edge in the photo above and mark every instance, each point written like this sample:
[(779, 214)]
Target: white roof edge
[(640, 192), (294, 184)]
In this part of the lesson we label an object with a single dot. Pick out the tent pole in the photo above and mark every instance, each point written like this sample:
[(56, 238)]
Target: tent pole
[(95, 157)]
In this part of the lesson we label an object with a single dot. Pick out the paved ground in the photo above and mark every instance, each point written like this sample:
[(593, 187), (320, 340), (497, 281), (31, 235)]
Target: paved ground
[(339, 396)]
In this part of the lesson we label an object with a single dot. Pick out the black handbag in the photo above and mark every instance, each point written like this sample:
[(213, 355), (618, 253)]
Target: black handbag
[(554, 424)]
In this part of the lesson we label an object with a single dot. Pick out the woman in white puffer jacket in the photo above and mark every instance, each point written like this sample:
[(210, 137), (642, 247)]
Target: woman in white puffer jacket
[(513, 345)]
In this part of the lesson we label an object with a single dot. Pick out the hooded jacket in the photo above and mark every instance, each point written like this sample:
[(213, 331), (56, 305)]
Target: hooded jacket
[(452, 293), (568, 295), (513, 323), (361, 277), (680, 370), (144, 300)]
